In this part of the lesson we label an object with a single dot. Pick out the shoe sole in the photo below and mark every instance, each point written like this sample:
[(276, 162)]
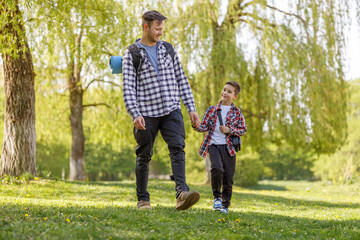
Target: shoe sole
[(140, 208), (192, 199), (216, 209)]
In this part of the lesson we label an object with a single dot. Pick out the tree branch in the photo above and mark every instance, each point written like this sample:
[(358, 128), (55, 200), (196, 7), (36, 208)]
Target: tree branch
[(246, 4), (290, 14), (251, 23), (96, 104), (100, 80)]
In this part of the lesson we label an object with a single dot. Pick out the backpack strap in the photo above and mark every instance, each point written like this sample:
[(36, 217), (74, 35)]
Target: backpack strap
[(169, 50), (218, 112), (136, 56)]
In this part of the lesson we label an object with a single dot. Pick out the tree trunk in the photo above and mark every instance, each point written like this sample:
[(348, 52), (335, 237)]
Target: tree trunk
[(77, 161), (19, 145)]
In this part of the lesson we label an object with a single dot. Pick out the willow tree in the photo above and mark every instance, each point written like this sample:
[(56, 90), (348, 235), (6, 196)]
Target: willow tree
[(19, 145), (80, 35), (293, 84)]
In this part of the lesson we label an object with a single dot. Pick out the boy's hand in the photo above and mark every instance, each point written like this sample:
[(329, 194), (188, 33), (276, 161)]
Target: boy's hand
[(224, 129), (195, 120)]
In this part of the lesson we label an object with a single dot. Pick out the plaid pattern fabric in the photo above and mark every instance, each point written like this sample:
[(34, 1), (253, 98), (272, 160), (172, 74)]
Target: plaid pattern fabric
[(155, 95), (234, 120)]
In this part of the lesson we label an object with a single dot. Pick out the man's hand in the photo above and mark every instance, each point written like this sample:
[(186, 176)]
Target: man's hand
[(139, 123), (224, 129), (195, 120)]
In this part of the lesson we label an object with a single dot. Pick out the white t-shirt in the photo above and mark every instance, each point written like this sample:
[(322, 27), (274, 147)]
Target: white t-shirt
[(218, 138)]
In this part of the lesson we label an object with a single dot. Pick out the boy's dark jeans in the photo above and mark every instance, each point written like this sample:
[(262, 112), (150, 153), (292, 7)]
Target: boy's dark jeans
[(173, 132), (222, 173)]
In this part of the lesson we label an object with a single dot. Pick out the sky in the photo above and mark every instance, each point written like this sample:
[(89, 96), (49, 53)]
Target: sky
[(352, 63)]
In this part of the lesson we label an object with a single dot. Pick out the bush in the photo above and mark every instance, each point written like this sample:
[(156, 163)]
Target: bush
[(248, 169), (104, 163), (287, 164)]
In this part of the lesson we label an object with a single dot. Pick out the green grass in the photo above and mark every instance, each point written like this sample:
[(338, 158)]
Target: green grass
[(47, 209)]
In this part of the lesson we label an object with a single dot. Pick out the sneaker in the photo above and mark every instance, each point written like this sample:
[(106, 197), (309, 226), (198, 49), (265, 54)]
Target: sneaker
[(224, 210), (143, 204), (187, 199), (217, 204)]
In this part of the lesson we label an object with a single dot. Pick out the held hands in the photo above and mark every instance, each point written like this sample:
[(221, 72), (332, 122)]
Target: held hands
[(195, 120), (139, 123), (224, 129)]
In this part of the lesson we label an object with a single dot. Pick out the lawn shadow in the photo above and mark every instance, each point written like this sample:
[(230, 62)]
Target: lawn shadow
[(268, 187), (249, 197)]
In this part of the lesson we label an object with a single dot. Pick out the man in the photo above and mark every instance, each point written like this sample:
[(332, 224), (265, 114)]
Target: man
[(152, 95)]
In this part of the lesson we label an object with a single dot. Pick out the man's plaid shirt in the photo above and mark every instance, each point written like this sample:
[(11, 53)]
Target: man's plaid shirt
[(155, 95), (234, 120)]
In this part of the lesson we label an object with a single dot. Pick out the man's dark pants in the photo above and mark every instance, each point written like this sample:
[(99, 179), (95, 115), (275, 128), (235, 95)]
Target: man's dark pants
[(222, 172), (173, 132)]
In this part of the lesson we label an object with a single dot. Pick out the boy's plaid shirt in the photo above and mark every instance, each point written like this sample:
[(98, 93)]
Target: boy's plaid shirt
[(234, 120), (153, 95)]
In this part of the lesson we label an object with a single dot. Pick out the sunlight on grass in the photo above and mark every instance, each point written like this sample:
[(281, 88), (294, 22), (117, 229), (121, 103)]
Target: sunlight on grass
[(46, 209)]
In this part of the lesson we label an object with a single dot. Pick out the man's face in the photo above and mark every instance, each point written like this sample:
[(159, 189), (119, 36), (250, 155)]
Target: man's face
[(155, 31)]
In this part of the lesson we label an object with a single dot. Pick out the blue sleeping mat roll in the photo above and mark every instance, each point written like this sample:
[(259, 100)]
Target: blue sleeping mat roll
[(116, 64)]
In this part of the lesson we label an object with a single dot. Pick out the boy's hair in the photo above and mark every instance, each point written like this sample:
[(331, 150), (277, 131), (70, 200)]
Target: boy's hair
[(151, 16), (235, 85)]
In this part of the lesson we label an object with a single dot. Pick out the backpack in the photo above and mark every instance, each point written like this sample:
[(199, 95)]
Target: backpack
[(116, 61)]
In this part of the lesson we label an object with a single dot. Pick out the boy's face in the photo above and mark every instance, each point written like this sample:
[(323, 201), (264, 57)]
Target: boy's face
[(228, 94)]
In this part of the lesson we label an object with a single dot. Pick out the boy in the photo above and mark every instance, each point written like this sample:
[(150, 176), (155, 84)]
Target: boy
[(218, 144)]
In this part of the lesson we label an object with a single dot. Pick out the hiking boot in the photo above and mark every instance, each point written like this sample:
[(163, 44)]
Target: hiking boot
[(186, 199), (143, 204), (217, 204)]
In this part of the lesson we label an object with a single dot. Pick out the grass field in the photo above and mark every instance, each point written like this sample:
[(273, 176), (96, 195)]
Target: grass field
[(48, 209)]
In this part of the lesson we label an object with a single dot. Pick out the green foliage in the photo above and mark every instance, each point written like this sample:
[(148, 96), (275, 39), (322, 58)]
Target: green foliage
[(43, 209), (104, 163), (344, 165), (248, 169), (287, 164)]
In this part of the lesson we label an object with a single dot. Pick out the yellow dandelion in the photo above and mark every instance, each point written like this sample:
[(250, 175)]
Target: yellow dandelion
[(237, 220), (223, 219), (95, 218), (24, 208), (26, 215), (36, 178), (16, 178), (68, 220), (295, 231), (114, 187), (276, 204), (110, 237), (219, 220), (45, 218)]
